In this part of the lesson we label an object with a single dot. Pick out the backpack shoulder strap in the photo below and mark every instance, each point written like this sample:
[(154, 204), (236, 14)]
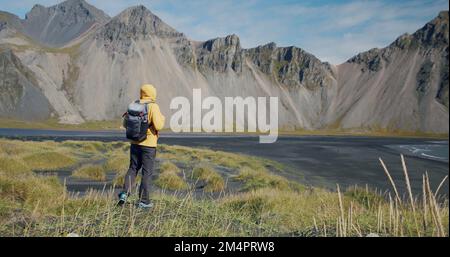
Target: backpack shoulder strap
[(147, 109)]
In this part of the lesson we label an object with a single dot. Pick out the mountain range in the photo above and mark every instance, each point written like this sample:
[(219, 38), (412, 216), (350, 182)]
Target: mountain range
[(73, 62)]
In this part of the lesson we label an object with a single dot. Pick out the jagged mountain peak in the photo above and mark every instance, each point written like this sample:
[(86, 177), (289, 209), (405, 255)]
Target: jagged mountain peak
[(401, 87), (70, 7), (133, 24), (292, 66), (221, 43), (137, 9), (434, 35), (220, 54), (59, 24), (35, 8), (271, 45), (435, 31), (140, 20)]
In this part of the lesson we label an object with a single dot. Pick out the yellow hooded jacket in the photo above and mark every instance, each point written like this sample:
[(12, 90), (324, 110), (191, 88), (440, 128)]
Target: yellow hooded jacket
[(155, 117)]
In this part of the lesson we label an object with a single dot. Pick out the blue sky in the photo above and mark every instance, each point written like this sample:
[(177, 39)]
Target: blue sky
[(334, 31)]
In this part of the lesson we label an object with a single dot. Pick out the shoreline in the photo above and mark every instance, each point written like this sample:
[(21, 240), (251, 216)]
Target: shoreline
[(316, 159), (283, 134), (114, 126)]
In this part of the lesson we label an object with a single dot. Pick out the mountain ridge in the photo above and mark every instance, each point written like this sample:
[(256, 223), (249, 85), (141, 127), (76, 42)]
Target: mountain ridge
[(136, 46)]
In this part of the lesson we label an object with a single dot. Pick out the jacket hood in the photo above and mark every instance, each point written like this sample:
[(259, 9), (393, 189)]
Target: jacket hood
[(148, 92)]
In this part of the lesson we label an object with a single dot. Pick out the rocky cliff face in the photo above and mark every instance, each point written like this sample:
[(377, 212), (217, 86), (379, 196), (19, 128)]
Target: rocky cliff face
[(220, 54), (401, 87), (19, 97), (405, 84), (291, 66)]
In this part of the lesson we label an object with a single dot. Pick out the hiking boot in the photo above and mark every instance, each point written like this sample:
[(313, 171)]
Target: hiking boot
[(122, 198), (146, 206)]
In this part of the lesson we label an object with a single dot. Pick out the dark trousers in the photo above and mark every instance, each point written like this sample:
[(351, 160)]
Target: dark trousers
[(140, 157)]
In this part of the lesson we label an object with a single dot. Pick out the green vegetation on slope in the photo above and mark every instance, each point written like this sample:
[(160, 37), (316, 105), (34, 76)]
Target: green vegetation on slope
[(55, 125)]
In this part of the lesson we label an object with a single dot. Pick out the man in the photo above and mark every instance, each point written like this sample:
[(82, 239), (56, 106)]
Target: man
[(142, 154)]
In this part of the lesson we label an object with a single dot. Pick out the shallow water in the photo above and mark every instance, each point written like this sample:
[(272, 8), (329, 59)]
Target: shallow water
[(434, 150)]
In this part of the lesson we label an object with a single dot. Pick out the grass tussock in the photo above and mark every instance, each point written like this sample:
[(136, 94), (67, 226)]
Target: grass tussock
[(117, 163), (19, 148), (92, 172), (119, 180), (214, 181), (48, 161), (169, 177), (33, 194), (256, 179), (91, 147), (13, 165), (227, 160)]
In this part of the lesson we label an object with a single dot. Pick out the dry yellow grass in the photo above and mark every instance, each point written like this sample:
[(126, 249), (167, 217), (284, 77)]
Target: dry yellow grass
[(256, 179), (54, 124), (32, 205), (214, 182), (169, 177), (38, 195), (117, 163), (225, 159), (13, 165), (48, 161), (92, 172)]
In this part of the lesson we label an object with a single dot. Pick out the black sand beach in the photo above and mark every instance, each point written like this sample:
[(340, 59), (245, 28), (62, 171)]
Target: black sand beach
[(313, 160)]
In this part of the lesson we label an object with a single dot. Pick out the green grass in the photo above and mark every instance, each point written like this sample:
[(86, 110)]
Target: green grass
[(169, 177), (36, 195), (331, 130), (193, 156), (214, 182), (91, 172), (48, 161), (13, 165), (256, 179), (89, 147), (264, 212), (55, 125), (335, 130), (18, 148), (117, 163), (367, 197)]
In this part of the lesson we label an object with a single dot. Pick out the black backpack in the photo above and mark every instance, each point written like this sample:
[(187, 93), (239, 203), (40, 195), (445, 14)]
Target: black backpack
[(137, 122)]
